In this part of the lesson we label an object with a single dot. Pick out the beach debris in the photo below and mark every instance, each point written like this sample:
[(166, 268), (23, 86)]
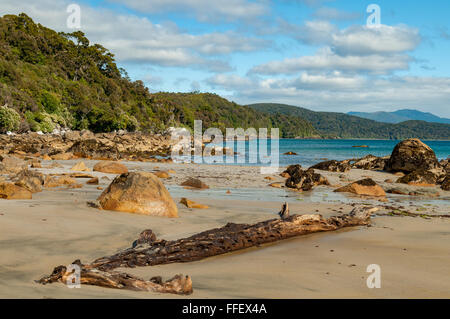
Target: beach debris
[(80, 167), (194, 183), (179, 284), (284, 212), (366, 187), (304, 180), (150, 251), (110, 167), (333, 166), (191, 204), (11, 191), (140, 193)]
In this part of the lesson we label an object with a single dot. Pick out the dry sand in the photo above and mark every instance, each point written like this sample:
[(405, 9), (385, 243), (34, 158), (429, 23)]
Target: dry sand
[(56, 227)]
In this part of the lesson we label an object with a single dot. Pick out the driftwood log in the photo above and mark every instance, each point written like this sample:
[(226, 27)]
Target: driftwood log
[(147, 250)]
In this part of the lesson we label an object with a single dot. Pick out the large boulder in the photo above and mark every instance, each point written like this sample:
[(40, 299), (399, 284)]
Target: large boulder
[(110, 167), (140, 193), (291, 170), (305, 180), (11, 191), (411, 155), (333, 166), (366, 187), (419, 177)]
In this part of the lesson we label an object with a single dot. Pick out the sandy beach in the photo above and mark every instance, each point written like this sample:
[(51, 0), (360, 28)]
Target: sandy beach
[(57, 226)]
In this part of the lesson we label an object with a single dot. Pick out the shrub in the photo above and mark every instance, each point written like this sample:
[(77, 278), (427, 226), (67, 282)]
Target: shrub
[(9, 119)]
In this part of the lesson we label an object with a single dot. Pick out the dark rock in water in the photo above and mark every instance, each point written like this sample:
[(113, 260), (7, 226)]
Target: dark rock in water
[(305, 180), (290, 153), (419, 177), (360, 146), (411, 155), (333, 166), (370, 162)]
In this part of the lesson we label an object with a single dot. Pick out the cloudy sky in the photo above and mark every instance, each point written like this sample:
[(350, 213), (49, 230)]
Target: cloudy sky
[(318, 54)]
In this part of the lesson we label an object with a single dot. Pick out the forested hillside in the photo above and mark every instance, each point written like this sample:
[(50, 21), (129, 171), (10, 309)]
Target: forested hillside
[(341, 125), (50, 80)]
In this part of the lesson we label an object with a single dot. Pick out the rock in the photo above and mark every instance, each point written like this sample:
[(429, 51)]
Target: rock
[(419, 178), (290, 153), (276, 185), (305, 180), (285, 175), (93, 181), (110, 167), (191, 204), (55, 165), (11, 191), (360, 146), (100, 188), (171, 171), (333, 166), (269, 178), (389, 181), (80, 167), (446, 183), (138, 192), (445, 164), (411, 155), (366, 187), (194, 183), (62, 156), (12, 164), (291, 170), (30, 180), (370, 162), (76, 185), (161, 174), (57, 181), (36, 164), (145, 237), (80, 175), (399, 174)]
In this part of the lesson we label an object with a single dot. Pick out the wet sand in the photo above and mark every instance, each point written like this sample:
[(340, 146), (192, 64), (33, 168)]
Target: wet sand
[(56, 227)]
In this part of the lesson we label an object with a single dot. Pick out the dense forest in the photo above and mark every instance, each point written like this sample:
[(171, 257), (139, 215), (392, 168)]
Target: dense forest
[(332, 125), (50, 80), (54, 80)]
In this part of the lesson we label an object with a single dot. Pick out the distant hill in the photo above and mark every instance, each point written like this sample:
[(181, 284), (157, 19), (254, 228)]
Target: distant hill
[(401, 116), (340, 125)]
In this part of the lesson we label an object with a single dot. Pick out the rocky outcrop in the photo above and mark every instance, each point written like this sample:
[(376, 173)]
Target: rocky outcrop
[(140, 193), (85, 144), (304, 180), (110, 167), (194, 183), (370, 162), (11, 164), (291, 170), (31, 180), (366, 187), (445, 185), (411, 155), (11, 191), (419, 177), (333, 166)]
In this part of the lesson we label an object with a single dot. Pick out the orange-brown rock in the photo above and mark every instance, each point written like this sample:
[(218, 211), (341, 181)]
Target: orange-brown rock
[(191, 204), (194, 183), (110, 167), (57, 181), (366, 187), (62, 156), (11, 191), (31, 180), (276, 185), (93, 181), (161, 174), (138, 192), (80, 167)]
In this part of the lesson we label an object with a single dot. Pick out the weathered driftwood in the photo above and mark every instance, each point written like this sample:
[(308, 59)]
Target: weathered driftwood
[(147, 250), (229, 238), (112, 279)]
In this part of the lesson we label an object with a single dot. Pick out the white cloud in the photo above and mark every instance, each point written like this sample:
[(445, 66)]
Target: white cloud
[(328, 13), (203, 10)]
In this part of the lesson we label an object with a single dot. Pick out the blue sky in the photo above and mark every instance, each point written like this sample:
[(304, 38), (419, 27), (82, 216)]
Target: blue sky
[(318, 54)]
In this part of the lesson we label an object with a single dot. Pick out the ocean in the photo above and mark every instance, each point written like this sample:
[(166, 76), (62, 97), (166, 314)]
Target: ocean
[(310, 152)]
